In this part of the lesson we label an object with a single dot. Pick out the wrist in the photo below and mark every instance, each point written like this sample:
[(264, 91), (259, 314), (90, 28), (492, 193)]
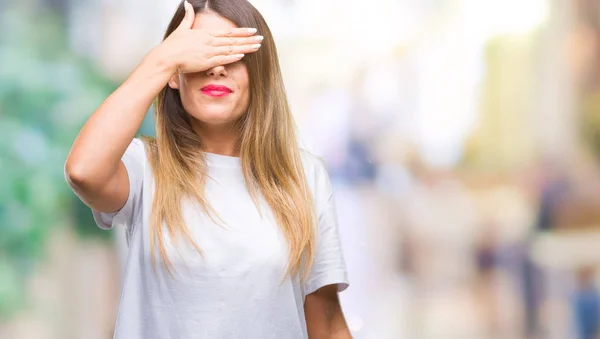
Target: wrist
[(157, 59)]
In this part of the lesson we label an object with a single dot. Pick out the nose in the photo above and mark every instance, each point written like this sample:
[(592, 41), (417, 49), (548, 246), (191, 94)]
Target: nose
[(217, 72)]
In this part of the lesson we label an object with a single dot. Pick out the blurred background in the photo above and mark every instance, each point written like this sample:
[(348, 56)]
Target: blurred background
[(462, 136)]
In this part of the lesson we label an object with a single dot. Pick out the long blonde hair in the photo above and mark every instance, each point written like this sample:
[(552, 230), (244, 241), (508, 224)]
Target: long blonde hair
[(270, 158)]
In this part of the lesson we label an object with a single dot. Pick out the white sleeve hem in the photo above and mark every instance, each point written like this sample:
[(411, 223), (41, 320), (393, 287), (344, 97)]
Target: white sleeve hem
[(339, 277), (134, 161), (118, 218), (101, 219)]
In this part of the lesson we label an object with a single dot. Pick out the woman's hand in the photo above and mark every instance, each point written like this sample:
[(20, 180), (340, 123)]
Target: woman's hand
[(190, 50)]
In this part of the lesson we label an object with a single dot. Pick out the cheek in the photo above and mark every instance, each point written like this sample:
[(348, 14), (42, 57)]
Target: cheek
[(245, 99), (187, 84), (240, 74), (246, 92)]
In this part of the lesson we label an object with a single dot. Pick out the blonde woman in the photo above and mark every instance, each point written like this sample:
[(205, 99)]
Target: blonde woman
[(232, 228)]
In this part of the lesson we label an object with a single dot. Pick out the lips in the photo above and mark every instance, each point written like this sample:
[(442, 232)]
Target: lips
[(216, 90)]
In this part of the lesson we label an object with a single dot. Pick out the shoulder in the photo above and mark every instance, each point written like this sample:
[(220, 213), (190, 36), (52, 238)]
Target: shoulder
[(142, 147), (317, 176), (137, 145), (314, 165), (135, 157)]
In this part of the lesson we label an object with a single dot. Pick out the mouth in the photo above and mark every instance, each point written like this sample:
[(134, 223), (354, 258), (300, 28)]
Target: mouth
[(216, 90)]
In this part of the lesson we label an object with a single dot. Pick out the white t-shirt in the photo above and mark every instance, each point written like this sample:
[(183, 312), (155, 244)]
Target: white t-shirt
[(236, 290)]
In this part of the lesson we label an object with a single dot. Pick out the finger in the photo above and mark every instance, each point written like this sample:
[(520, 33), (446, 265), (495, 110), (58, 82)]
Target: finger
[(221, 41), (224, 59), (235, 32), (188, 19), (229, 50)]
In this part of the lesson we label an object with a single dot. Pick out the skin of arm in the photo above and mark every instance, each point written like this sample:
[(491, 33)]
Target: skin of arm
[(93, 168), (324, 316)]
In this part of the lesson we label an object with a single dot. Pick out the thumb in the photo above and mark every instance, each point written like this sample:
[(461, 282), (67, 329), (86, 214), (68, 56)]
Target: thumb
[(188, 19)]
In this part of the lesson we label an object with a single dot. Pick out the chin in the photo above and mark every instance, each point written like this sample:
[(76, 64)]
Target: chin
[(215, 116)]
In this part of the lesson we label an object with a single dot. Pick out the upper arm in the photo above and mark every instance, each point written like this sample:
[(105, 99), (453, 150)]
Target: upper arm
[(328, 274), (119, 199), (108, 197), (324, 316), (329, 266)]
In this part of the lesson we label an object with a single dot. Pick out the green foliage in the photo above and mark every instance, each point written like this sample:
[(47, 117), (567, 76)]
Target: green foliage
[(46, 94)]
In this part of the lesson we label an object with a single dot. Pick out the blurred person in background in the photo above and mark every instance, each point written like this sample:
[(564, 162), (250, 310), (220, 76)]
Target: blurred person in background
[(243, 220), (487, 265), (586, 305)]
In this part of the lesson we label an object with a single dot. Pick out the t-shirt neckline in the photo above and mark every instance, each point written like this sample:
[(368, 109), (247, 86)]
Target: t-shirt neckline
[(219, 160)]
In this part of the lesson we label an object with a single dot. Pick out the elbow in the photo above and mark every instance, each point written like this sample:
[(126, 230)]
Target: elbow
[(75, 174)]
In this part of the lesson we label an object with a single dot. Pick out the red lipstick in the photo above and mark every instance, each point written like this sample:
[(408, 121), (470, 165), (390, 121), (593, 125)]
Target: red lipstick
[(216, 90)]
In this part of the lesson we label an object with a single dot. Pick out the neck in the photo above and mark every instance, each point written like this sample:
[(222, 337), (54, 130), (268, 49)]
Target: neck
[(218, 139)]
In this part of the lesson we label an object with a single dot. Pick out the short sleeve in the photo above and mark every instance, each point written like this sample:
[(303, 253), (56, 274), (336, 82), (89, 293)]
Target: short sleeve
[(329, 266), (134, 160)]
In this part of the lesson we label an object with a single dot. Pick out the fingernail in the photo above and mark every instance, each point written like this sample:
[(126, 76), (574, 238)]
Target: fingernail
[(259, 37), (252, 30), (256, 46), (239, 56)]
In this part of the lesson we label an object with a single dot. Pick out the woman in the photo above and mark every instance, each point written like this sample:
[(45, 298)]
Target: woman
[(243, 222)]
